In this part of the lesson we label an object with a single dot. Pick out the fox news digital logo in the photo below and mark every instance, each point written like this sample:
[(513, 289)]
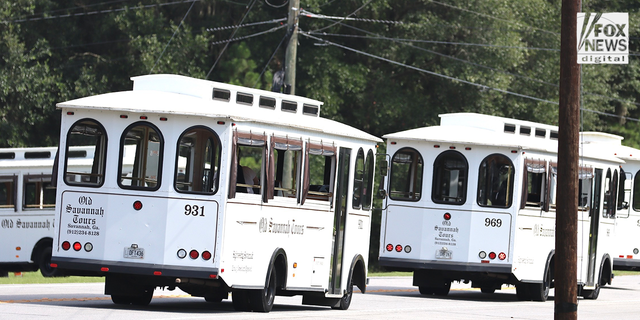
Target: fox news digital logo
[(603, 38)]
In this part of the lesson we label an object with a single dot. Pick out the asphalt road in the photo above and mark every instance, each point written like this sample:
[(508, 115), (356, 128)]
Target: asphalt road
[(386, 298)]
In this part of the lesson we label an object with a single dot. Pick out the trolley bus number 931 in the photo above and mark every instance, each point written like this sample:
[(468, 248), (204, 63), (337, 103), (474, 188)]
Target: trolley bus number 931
[(194, 210), (493, 222)]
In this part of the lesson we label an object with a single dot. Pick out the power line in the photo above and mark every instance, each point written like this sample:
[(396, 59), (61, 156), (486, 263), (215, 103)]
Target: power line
[(69, 15), (246, 25), (349, 15), (231, 37), (479, 65), (494, 17), (174, 34), (321, 16), (481, 86), (433, 41), (249, 36)]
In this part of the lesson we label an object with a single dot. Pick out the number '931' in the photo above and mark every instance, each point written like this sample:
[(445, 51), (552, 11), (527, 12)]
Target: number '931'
[(194, 210)]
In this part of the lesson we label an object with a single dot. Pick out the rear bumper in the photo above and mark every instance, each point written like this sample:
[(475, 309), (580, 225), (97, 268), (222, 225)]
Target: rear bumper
[(626, 264), (101, 268), (409, 264)]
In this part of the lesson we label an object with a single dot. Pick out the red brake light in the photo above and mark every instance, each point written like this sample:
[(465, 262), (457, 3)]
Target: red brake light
[(447, 216), (492, 255), (137, 205), (194, 254), (502, 256), (66, 245), (389, 247), (77, 246), (398, 248), (206, 255)]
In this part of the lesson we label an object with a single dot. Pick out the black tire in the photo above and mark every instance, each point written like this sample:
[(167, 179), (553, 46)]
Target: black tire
[(540, 291), (522, 292), (591, 294), (438, 291), (345, 301), (119, 299), (262, 300), (488, 290), (44, 263), (240, 299), (142, 300)]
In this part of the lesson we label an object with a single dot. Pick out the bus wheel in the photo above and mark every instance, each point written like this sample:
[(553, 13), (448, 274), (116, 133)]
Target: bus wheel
[(262, 300), (522, 292), (488, 290), (591, 294), (44, 263), (240, 299), (345, 301), (438, 291)]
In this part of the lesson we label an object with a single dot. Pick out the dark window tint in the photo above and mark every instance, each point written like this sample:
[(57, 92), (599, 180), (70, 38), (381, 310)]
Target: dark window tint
[(406, 175), (450, 171)]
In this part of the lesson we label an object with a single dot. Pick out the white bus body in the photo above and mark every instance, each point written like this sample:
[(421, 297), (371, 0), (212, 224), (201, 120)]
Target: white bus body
[(27, 201), (626, 254), (473, 199), (182, 216)]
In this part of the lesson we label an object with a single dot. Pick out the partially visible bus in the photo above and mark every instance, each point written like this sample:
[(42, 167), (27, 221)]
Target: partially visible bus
[(27, 201), (626, 252), (474, 199), (231, 190)]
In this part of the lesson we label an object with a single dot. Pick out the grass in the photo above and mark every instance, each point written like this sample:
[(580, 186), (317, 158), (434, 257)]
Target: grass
[(36, 277)]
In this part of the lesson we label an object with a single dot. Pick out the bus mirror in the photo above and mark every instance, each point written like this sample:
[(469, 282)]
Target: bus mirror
[(383, 168), (381, 194)]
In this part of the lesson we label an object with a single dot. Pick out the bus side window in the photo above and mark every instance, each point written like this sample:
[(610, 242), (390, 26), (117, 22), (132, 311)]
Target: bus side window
[(141, 149), (450, 170), (319, 172), (495, 181), (286, 155), (367, 185), (636, 192), (535, 172), (358, 180), (584, 188), (405, 180), (38, 192), (610, 185), (198, 161), (8, 192), (90, 134)]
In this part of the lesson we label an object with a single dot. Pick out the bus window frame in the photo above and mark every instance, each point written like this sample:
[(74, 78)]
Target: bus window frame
[(437, 170), (284, 144), (419, 185), (11, 194), (99, 165), (328, 151), (217, 154), (510, 181), (160, 156)]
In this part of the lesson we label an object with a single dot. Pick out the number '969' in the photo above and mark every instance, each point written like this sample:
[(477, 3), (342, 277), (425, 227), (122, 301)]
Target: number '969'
[(493, 222), (194, 210)]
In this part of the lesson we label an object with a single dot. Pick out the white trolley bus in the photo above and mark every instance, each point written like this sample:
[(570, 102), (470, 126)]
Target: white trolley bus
[(626, 251), (232, 189), (473, 199), (27, 201)]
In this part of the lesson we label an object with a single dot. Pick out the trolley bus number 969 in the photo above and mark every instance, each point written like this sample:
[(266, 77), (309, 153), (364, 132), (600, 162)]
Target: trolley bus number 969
[(194, 210), (493, 222)]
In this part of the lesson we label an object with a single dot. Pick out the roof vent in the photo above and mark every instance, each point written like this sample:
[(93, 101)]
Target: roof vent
[(267, 102), (221, 94)]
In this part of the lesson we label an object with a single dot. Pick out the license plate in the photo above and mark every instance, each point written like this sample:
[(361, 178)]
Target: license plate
[(444, 254), (134, 253)]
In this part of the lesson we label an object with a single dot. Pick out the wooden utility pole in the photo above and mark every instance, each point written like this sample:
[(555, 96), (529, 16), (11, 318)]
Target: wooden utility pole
[(566, 286), (292, 47)]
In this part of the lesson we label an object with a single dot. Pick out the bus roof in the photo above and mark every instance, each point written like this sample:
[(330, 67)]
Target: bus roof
[(180, 95), (486, 130)]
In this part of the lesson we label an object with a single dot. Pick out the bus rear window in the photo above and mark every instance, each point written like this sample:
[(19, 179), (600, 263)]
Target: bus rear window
[(407, 169), (88, 137), (141, 148), (8, 192)]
